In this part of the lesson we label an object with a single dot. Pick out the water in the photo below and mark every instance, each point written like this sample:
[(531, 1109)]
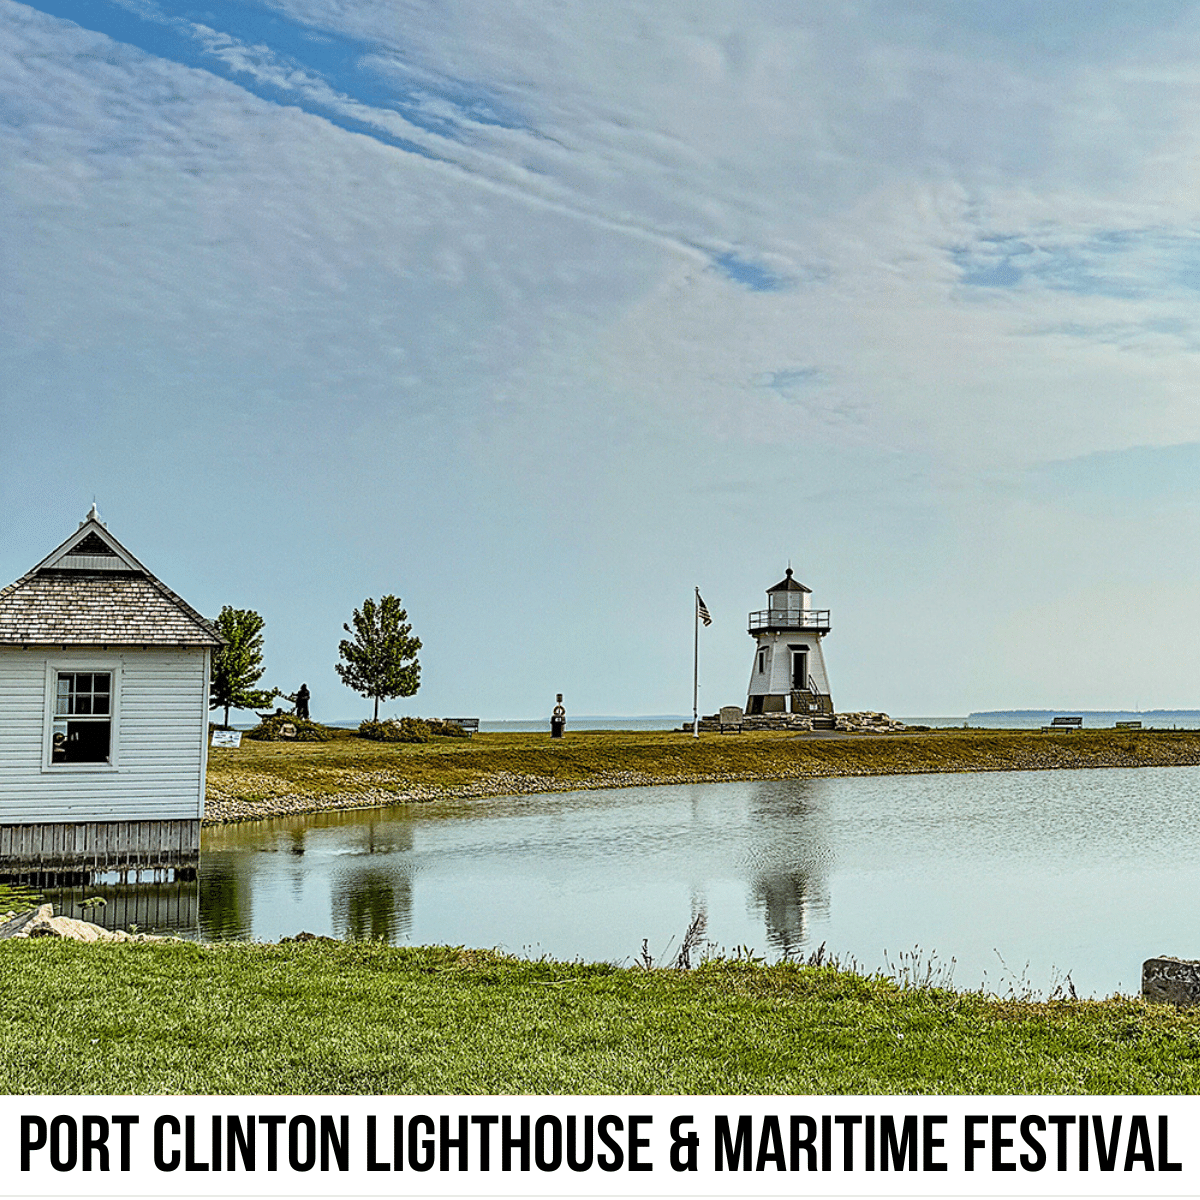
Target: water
[(1050, 872)]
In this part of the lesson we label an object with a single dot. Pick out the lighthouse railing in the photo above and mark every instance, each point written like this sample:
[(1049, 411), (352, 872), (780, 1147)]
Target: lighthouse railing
[(775, 618)]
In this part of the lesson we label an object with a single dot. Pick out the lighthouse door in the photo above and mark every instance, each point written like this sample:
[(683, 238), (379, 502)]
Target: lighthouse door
[(799, 670)]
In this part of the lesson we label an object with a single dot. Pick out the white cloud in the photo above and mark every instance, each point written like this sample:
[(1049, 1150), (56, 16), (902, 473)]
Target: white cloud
[(715, 264)]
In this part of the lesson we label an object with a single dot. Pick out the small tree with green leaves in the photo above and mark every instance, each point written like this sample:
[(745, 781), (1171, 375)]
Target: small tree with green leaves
[(238, 665), (381, 660)]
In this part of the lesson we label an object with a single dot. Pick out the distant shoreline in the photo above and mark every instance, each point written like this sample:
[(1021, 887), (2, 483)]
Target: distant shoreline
[(1093, 718)]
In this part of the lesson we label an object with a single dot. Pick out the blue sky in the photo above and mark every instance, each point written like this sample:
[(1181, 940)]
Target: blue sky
[(539, 315)]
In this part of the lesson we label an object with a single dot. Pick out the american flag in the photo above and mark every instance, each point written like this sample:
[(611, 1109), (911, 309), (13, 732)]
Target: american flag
[(701, 611)]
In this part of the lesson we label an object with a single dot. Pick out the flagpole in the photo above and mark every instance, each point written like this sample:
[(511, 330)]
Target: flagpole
[(696, 666)]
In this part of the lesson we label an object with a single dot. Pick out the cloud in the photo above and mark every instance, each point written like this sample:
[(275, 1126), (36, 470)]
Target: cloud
[(1119, 263), (513, 279)]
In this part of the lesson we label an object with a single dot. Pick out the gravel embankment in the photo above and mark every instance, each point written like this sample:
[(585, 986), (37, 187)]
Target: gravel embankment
[(851, 757)]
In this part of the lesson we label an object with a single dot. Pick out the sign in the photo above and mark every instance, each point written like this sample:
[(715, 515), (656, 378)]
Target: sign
[(227, 737), (687, 1147)]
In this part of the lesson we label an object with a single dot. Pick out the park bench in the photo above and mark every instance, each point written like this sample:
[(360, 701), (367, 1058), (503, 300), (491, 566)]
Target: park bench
[(468, 725), (1063, 725)]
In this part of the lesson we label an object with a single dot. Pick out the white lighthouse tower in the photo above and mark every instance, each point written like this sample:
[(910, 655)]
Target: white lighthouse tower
[(789, 669)]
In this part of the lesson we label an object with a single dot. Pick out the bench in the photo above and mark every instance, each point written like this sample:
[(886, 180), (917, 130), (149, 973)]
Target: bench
[(468, 725), (1063, 725)]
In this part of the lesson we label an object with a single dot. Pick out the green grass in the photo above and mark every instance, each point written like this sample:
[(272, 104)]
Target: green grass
[(493, 763), (362, 1018)]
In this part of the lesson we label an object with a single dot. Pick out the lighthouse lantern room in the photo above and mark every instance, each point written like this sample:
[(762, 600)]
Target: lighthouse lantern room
[(788, 674)]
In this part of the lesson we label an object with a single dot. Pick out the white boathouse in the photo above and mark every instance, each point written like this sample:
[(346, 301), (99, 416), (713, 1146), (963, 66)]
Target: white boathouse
[(789, 673), (104, 680)]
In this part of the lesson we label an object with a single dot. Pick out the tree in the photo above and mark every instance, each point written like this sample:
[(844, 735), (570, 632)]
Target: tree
[(381, 661), (238, 665)]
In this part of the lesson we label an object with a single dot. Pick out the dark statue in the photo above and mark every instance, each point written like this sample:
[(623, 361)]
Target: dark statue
[(558, 718), (302, 702)]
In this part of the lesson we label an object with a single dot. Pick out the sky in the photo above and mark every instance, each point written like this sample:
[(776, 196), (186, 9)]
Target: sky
[(540, 315)]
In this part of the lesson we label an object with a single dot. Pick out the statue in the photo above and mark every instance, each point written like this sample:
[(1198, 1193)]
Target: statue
[(558, 718), (302, 702)]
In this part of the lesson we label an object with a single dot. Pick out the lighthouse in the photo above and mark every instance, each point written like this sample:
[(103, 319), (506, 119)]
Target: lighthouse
[(788, 674)]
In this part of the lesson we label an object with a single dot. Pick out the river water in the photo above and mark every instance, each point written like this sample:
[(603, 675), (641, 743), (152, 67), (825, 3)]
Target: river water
[(1021, 877)]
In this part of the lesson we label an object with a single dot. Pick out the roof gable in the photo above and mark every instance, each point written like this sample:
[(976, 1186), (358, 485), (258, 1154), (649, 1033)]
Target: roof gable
[(91, 548), (91, 591)]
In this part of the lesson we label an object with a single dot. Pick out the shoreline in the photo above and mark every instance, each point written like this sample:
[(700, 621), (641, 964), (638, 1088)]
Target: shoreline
[(348, 774)]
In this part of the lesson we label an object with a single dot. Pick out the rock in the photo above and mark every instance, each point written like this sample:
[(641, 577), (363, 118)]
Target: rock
[(41, 922), (19, 925), (76, 931), (1171, 981)]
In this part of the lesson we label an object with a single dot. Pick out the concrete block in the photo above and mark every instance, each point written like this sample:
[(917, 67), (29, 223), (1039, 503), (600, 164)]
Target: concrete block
[(1171, 981)]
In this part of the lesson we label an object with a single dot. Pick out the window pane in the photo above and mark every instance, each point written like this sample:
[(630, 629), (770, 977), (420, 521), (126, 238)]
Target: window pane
[(100, 703), (83, 683), (64, 685), (62, 706), (100, 682), (83, 705), (87, 741)]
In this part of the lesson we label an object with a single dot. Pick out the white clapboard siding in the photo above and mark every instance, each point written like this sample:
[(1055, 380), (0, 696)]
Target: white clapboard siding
[(159, 738)]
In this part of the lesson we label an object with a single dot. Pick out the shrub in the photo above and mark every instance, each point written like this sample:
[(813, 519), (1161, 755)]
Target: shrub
[(409, 729), (402, 729), (376, 731), (306, 731)]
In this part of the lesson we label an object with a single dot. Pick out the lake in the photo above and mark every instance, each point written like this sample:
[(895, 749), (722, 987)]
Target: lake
[(1021, 877)]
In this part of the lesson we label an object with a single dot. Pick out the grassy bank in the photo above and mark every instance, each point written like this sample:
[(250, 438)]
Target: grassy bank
[(267, 778), (356, 1018)]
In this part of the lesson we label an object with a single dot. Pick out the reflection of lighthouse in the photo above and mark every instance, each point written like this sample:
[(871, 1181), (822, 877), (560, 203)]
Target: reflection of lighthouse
[(790, 846), (789, 669)]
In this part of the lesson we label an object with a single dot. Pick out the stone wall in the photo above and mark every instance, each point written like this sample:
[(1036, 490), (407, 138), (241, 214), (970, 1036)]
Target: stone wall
[(854, 722)]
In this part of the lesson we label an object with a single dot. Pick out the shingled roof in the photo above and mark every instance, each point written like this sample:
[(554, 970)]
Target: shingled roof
[(92, 592)]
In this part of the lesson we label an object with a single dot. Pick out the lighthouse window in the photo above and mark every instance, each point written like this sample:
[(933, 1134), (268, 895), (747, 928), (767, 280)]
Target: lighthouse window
[(762, 661)]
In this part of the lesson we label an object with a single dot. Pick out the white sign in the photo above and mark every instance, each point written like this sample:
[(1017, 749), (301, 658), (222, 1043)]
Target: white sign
[(227, 737), (687, 1147)]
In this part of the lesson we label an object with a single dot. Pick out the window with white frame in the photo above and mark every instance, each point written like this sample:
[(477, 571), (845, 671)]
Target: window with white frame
[(82, 718)]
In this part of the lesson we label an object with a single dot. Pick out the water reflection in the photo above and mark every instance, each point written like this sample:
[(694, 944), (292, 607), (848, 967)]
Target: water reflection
[(226, 896), (781, 899), (792, 853), (172, 907), (374, 903), (1074, 871)]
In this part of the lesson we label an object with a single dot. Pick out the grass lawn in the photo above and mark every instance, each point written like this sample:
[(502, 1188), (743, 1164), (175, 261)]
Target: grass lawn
[(363, 1018), (243, 783)]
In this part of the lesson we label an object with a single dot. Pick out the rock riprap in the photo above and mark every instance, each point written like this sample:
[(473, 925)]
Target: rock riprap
[(41, 922)]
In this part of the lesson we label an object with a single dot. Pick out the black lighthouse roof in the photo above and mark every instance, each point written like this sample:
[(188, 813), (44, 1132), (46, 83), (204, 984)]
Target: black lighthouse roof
[(788, 584)]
